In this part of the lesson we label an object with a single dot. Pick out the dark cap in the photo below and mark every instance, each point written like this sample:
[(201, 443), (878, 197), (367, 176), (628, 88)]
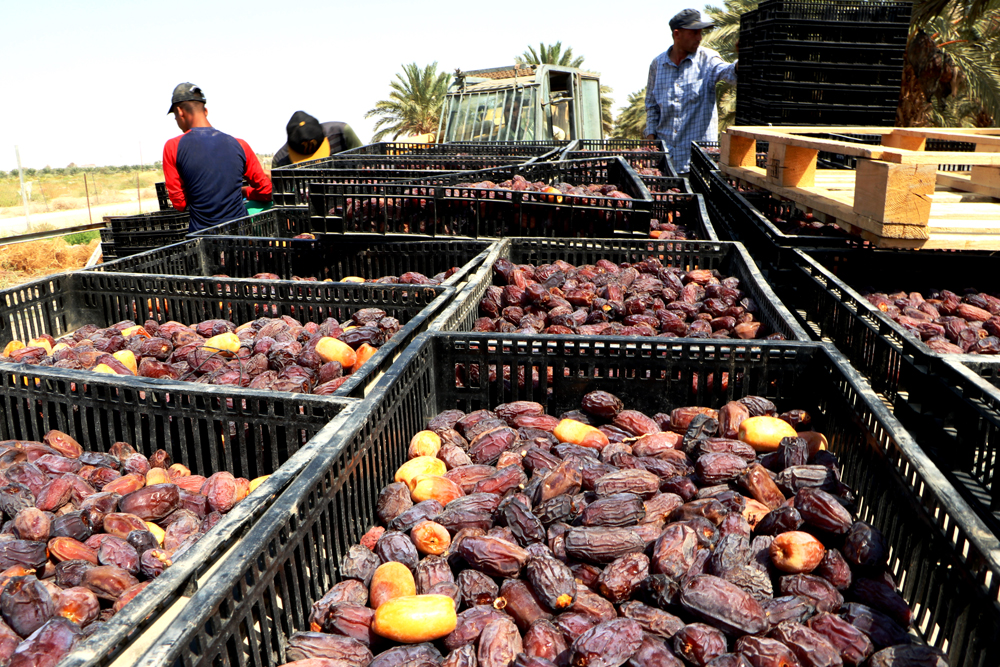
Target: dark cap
[(689, 19), (304, 133), (185, 92)]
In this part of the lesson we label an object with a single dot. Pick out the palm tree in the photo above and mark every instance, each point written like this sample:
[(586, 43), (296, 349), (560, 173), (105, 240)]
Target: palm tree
[(414, 105), (631, 121), (951, 74), (549, 55), (554, 55)]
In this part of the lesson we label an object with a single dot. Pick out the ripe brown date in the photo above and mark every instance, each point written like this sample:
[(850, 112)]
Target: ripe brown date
[(499, 643), (653, 620), (811, 648), (699, 643), (607, 644), (723, 604), (552, 581), (623, 577), (602, 545), (26, 605), (493, 556), (852, 644)]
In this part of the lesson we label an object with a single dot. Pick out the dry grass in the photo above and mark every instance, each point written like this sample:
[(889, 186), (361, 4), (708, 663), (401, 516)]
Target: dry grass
[(21, 262)]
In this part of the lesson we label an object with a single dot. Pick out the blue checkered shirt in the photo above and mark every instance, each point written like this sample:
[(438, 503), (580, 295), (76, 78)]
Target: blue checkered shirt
[(680, 101)]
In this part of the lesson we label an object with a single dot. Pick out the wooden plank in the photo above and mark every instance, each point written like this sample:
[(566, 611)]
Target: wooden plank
[(894, 193), (826, 202), (791, 166), (737, 151), (952, 225), (896, 155), (843, 147), (954, 180), (952, 134), (898, 139), (988, 176)]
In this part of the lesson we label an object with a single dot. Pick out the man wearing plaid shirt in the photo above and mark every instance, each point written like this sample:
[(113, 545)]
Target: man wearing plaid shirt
[(680, 92)]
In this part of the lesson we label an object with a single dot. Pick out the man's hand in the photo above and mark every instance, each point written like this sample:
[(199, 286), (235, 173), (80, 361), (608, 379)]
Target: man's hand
[(650, 137)]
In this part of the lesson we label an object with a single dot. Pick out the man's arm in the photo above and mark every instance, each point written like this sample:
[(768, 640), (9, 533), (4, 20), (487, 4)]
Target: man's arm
[(652, 108), (260, 184), (720, 70), (175, 189)]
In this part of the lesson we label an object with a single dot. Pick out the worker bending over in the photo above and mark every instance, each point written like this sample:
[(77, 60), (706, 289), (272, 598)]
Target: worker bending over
[(310, 140), (204, 168)]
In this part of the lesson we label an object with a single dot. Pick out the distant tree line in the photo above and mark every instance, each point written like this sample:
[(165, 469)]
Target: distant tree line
[(72, 169)]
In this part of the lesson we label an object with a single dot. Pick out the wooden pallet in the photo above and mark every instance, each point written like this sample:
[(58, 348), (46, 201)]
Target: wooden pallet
[(896, 197)]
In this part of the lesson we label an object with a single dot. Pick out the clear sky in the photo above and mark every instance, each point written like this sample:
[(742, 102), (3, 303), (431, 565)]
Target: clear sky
[(90, 82)]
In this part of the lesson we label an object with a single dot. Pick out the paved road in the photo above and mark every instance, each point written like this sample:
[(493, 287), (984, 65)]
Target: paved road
[(17, 225)]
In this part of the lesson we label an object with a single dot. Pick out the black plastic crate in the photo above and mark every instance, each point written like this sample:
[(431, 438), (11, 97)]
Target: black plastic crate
[(444, 205), (277, 222), (882, 34), (157, 221), (738, 216), (330, 258), (939, 550), (162, 197), (542, 150), (838, 11), (291, 184), (955, 413), (659, 185), (827, 286), (802, 113), (819, 73), (686, 209), (59, 304), (149, 240), (640, 153), (829, 95), (729, 258), (208, 429), (842, 53)]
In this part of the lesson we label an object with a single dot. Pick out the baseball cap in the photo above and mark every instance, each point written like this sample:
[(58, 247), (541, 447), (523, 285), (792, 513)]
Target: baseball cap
[(306, 139), (185, 92), (690, 19)]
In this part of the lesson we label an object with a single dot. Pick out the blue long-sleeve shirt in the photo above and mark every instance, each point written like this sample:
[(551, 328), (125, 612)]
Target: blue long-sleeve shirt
[(680, 101)]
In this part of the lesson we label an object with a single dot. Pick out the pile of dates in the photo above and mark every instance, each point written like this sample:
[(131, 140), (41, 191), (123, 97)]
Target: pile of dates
[(521, 184), (607, 299), (945, 321), (605, 537), (86, 532), (799, 223), (277, 354), (648, 171), (665, 230), (408, 278)]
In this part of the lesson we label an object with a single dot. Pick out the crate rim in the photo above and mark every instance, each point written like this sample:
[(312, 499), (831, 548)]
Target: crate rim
[(738, 248), (356, 381), (905, 342), (967, 523), (199, 559)]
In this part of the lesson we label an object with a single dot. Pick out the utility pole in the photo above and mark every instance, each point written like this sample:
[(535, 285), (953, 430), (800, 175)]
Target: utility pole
[(138, 190), (87, 190), (20, 175)]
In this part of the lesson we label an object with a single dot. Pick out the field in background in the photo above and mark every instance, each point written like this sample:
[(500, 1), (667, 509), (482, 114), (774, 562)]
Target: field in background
[(64, 192)]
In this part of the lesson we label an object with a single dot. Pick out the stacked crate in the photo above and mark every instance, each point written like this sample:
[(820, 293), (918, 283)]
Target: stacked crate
[(821, 63)]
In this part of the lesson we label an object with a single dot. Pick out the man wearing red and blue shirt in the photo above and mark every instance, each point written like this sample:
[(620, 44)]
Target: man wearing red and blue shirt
[(204, 168)]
